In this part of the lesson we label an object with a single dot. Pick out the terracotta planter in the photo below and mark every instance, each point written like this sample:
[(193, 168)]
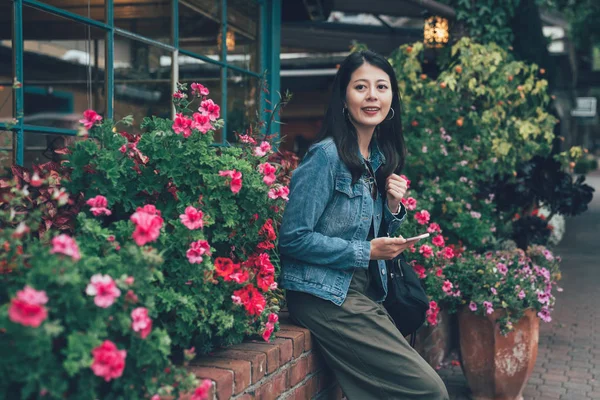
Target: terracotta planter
[(497, 367), (434, 343)]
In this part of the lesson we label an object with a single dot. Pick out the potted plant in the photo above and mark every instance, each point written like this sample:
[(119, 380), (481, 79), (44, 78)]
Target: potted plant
[(502, 295)]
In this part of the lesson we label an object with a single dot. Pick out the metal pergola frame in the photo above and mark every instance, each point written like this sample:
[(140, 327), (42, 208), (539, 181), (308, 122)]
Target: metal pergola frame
[(269, 42)]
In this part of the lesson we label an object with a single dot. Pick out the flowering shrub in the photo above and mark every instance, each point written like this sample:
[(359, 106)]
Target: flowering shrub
[(509, 280), (77, 313), (210, 212)]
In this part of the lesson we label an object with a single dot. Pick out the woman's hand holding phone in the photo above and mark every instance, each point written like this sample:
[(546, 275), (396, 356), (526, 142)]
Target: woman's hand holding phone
[(387, 248)]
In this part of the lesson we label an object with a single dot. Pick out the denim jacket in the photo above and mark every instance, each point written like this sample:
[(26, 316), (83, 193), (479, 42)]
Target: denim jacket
[(323, 236)]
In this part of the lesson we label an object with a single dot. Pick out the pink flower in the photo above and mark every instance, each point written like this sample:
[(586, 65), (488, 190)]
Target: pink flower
[(544, 314), (410, 203), (105, 290), (420, 271), (447, 286), (407, 181), (141, 322), (202, 391), (63, 244), (192, 218), (273, 318), (472, 306), (199, 90), (489, 308), (109, 362), (422, 217), (247, 139), (262, 150), (432, 313), (98, 206), (182, 124), (268, 171), (197, 250), (90, 118), (129, 280), (178, 95), (27, 307), (448, 253), (427, 251), (548, 255), (209, 108), (236, 179), (281, 191), (269, 328), (240, 276), (148, 223), (494, 291), (502, 268), (201, 123), (433, 227), (438, 241)]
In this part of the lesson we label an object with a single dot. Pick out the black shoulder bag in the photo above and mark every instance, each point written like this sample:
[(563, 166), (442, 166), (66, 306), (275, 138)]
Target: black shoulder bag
[(406, 301)]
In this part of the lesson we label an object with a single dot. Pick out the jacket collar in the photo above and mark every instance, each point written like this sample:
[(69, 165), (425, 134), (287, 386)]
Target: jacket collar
[(377, 157)]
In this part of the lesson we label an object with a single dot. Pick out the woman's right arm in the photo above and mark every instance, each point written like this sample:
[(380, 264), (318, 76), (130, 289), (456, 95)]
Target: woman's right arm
[(311, 189)]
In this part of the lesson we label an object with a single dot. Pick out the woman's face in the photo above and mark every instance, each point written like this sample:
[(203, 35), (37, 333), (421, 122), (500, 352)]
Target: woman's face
[(368, 96)]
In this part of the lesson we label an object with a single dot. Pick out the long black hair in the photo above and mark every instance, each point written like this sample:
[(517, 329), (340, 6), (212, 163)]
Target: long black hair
[(388, 133)]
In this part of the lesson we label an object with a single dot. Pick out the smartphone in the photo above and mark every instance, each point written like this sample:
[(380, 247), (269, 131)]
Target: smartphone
[(415, 238)]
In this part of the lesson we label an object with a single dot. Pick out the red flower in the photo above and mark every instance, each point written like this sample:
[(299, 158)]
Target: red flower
[(201, 123), (252, 300), (209, 108), (433, 227), (432, 313), (267, 230), (448, 253), (420, 271), (427, 251), (236, 179), (109, 362), (182, 124), (438, 241), (90, 118), (27, 307), (224, 267)]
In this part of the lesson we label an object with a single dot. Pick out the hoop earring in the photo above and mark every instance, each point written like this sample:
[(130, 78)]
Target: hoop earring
[(344, 112), (393, 115)]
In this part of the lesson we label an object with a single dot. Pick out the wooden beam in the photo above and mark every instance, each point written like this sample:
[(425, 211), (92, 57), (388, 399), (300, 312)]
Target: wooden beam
[(397, 8), (328, 37)]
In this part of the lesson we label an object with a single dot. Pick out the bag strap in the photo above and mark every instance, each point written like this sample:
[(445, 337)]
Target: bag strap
[(413, 339)]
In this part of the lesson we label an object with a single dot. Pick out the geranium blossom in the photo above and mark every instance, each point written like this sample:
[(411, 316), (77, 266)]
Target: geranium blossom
[(410, 203), (209, 108), (422, 217), (236, 179), (252, 300), (544, 314), (109, 362), (489, 309), (197, 250), (438, 241), (426, 250), (98, 205), (90, 118), (472, 306), (447, 287), (104, 289), (182, 124), (192, 218), (141, 322), (279, 192), (199, 90), (27, 308), (432, 313), (148, 223), (502, 268), (407, 181), (64, 244), (201, 123), (262, 150), (433, 227), (268, 171), (267, 230), (420, 271), (224, 267), (202, 391), (247, 139)]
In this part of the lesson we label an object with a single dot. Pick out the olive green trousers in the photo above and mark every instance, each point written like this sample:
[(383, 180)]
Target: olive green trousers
[(361, 344)]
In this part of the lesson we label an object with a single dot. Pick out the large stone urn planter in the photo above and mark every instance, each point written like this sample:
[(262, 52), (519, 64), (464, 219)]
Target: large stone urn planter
[(497, 367), (434, 343)]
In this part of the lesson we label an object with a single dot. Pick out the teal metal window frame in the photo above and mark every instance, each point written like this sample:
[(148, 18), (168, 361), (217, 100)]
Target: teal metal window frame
[(270, 39)]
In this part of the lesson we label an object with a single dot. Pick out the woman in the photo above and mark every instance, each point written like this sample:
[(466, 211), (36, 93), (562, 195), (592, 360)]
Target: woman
[(332, 258)]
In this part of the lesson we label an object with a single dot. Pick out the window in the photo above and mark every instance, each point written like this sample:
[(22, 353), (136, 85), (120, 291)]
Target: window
[(122, 57)]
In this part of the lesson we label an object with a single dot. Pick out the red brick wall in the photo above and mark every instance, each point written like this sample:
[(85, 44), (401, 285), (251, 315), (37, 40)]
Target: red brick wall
[(286, 368)]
